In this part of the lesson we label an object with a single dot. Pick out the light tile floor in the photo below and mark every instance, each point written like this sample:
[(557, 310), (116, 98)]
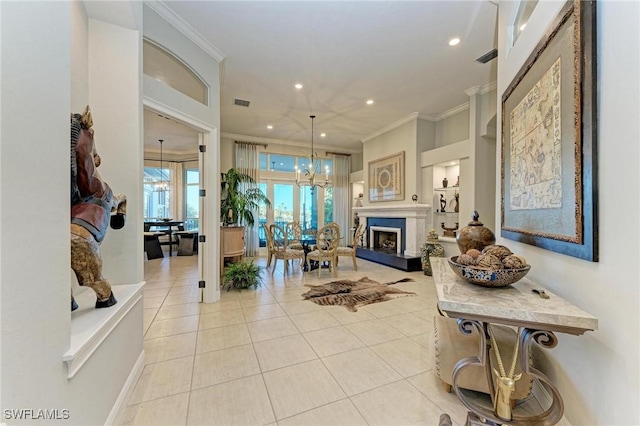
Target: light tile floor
[(267, 357)]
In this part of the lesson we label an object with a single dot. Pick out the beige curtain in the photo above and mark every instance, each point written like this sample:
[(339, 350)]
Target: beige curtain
[(177, 190), (341, 197), (247, 162)]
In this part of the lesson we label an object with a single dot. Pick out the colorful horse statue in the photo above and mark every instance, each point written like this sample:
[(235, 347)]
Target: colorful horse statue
[(92, 203)]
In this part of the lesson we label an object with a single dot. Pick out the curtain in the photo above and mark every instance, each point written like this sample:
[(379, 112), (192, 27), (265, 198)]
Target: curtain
[(247, 162), (341, 197), (177, 190)]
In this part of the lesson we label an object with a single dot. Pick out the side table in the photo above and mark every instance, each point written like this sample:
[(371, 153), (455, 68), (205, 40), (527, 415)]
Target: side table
[(518, 305)]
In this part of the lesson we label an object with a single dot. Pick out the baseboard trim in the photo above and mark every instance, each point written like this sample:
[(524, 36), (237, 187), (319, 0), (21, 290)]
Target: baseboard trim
[(127, 388)]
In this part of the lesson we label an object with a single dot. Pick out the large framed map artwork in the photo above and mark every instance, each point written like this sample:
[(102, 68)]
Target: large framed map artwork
[(549, 113), (386, 178)]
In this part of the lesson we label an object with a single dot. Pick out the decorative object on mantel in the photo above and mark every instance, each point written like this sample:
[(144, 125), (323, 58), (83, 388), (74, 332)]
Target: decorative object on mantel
[(414, 198), (359, 200), (475, 235), (445, 182), (431, 248), (457, 181), (352, 294), (449, 232), (312, 172)]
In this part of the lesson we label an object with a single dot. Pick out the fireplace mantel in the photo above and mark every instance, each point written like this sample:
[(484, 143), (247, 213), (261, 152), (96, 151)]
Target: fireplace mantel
[(397, 210), (415, 216)]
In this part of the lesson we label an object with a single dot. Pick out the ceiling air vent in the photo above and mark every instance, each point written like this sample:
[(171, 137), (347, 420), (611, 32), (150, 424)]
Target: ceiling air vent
[(492, 54), (241, 103)]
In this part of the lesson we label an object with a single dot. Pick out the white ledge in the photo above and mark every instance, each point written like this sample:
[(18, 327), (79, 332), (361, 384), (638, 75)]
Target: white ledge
[(395, 210), (91, 326)]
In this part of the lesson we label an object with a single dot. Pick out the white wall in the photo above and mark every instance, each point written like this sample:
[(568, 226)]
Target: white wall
[(35, 98), (401, 138), (597, 373), (452, 129)]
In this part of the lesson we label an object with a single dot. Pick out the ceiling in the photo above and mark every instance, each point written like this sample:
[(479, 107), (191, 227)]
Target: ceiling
[(343, 53)]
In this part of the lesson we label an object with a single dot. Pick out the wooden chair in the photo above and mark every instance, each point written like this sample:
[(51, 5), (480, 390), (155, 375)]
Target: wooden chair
[(280, 249), (351, 251), (327, 241), (294, 234), (270, 247)]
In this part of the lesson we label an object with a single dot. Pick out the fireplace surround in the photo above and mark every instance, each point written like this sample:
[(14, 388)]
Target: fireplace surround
[(408, 222)]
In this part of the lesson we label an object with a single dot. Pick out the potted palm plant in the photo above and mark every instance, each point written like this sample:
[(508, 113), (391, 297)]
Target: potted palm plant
[(242, 275), (237, 201)]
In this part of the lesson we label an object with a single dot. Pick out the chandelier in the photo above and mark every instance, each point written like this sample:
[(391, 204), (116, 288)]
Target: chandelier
[(161, 186), (312, 175)]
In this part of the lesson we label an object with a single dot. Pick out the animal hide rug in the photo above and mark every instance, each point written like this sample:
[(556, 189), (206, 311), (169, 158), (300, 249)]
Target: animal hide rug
[(352, 294)]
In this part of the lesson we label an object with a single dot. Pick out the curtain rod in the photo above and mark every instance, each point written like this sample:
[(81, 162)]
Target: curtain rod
[(337, 153), (264, 145)]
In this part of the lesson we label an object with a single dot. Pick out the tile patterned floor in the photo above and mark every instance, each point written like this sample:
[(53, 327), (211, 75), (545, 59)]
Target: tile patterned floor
[(267, 357)]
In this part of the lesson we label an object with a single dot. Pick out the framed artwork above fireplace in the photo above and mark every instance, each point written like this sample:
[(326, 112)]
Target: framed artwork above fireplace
[(386, 178)]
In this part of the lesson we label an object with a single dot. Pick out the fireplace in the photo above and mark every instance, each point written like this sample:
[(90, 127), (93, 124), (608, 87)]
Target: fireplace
[(385, 239)]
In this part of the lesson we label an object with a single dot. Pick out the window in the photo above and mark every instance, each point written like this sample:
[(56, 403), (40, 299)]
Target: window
[(163, 66), (283, 203), (157, 195), (525, 9), (262, 217), (328, 204), (308, 208), (192, 199)]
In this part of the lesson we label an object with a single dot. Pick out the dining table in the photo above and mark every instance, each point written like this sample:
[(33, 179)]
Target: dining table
[(168, 227)]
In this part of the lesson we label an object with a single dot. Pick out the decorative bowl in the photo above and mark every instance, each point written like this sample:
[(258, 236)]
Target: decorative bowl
[(166, 219), (487, 277)]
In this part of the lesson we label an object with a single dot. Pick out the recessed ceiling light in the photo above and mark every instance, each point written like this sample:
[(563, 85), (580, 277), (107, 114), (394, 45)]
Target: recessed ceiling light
[(522, 27), (454, 41), (323, 135), (453, 163), (370, 102), (269, 127), (298, 86)]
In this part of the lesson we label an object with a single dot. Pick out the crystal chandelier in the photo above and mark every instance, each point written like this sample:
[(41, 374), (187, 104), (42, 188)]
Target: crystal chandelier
[(161, 186), (312, 175)]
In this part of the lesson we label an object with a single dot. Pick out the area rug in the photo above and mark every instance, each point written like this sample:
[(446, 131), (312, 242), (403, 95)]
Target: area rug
[(352, 294)]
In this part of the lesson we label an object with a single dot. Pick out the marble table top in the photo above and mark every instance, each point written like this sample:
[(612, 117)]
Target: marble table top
[(515, 305)]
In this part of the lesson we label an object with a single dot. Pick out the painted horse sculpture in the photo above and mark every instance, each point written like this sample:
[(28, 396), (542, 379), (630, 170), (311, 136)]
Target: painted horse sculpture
[(92, 203)]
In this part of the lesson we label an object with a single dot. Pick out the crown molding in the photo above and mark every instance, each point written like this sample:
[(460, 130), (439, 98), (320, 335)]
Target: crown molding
[(257, 139), (488, 88), (481, 90), (453, 111), (178, 23), (394, 125)]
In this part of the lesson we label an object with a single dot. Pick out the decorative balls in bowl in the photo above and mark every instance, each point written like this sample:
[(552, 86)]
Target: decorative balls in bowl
[(494, 266)]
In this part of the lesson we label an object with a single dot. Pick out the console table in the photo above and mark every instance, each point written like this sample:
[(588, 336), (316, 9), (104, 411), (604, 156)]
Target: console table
[(520, 305)]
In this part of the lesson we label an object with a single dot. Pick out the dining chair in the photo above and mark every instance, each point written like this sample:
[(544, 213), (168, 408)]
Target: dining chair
[(294, 234), (351, 251), (327, 241), (280, 249), (270, 247)]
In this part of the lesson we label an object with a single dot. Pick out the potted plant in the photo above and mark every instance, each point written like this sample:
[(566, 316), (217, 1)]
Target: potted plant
[(238, 202), (242, 275)]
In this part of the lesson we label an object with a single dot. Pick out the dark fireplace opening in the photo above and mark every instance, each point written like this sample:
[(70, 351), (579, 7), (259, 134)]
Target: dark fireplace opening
[(385, 241)]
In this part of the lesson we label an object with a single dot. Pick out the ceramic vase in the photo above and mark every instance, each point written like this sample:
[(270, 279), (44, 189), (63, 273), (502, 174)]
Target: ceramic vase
[(475, 235)]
